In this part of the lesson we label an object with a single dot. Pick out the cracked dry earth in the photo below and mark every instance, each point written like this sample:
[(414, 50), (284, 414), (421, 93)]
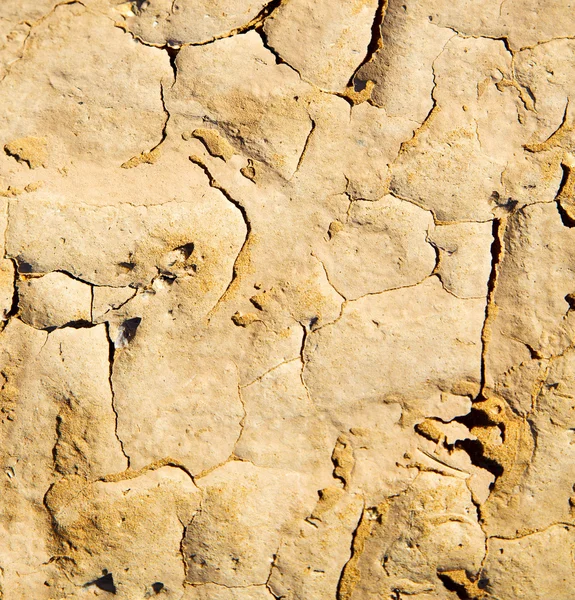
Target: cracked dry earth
[(288, 299)]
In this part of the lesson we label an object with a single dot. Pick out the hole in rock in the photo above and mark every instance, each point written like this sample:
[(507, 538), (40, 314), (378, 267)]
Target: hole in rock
[(129, 266), (157, 587), (24, 267), (106, 583), (127, 332), (186, 250)]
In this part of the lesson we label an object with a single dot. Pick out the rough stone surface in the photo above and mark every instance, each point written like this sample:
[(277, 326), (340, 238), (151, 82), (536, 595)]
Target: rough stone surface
[(287, 300)]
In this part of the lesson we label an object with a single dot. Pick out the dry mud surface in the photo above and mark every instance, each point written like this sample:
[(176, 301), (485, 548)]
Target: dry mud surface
[(287, 299)]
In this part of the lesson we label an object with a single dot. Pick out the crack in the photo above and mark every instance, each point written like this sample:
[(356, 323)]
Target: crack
[(260, 377), (459, 473), (131, 204), (231, 458), (112, 308), (51, 513), (328, 278), (305, 147), (91, 304), (111, 354), (436, 221), (350, 574), (437, 273), (394, 289), (341, 311), (303, 361), (525, 94), (497, 254), (182, 549), (5, 232), (553, 39), (23, 268), (242, 422), (556, 138), (32, 25), (272, 567), (254, 24), (469, 36), (279, 59), (376, 41), (565, 524), (240, 256), (130, 473), (228, 587), (153, 154), (432, 112), (347, 95), (539, 385)]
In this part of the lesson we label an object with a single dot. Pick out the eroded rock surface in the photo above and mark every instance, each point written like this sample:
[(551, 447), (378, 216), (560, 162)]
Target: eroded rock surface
[(287, 299)]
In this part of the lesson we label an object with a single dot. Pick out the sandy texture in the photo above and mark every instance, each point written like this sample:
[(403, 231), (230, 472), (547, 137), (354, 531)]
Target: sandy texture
[(287, 300)]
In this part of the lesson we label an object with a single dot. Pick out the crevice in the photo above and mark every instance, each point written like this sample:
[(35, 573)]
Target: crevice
[(173, 55), (111, 353), (15, 306), (565, 198), (235, 270), (164, 133), (497, 253), (305, 147), (92, 304), (24, 268), (302, 353), (476, 451), (375, 43), (266, 43), (55, 461), (79, 324)]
